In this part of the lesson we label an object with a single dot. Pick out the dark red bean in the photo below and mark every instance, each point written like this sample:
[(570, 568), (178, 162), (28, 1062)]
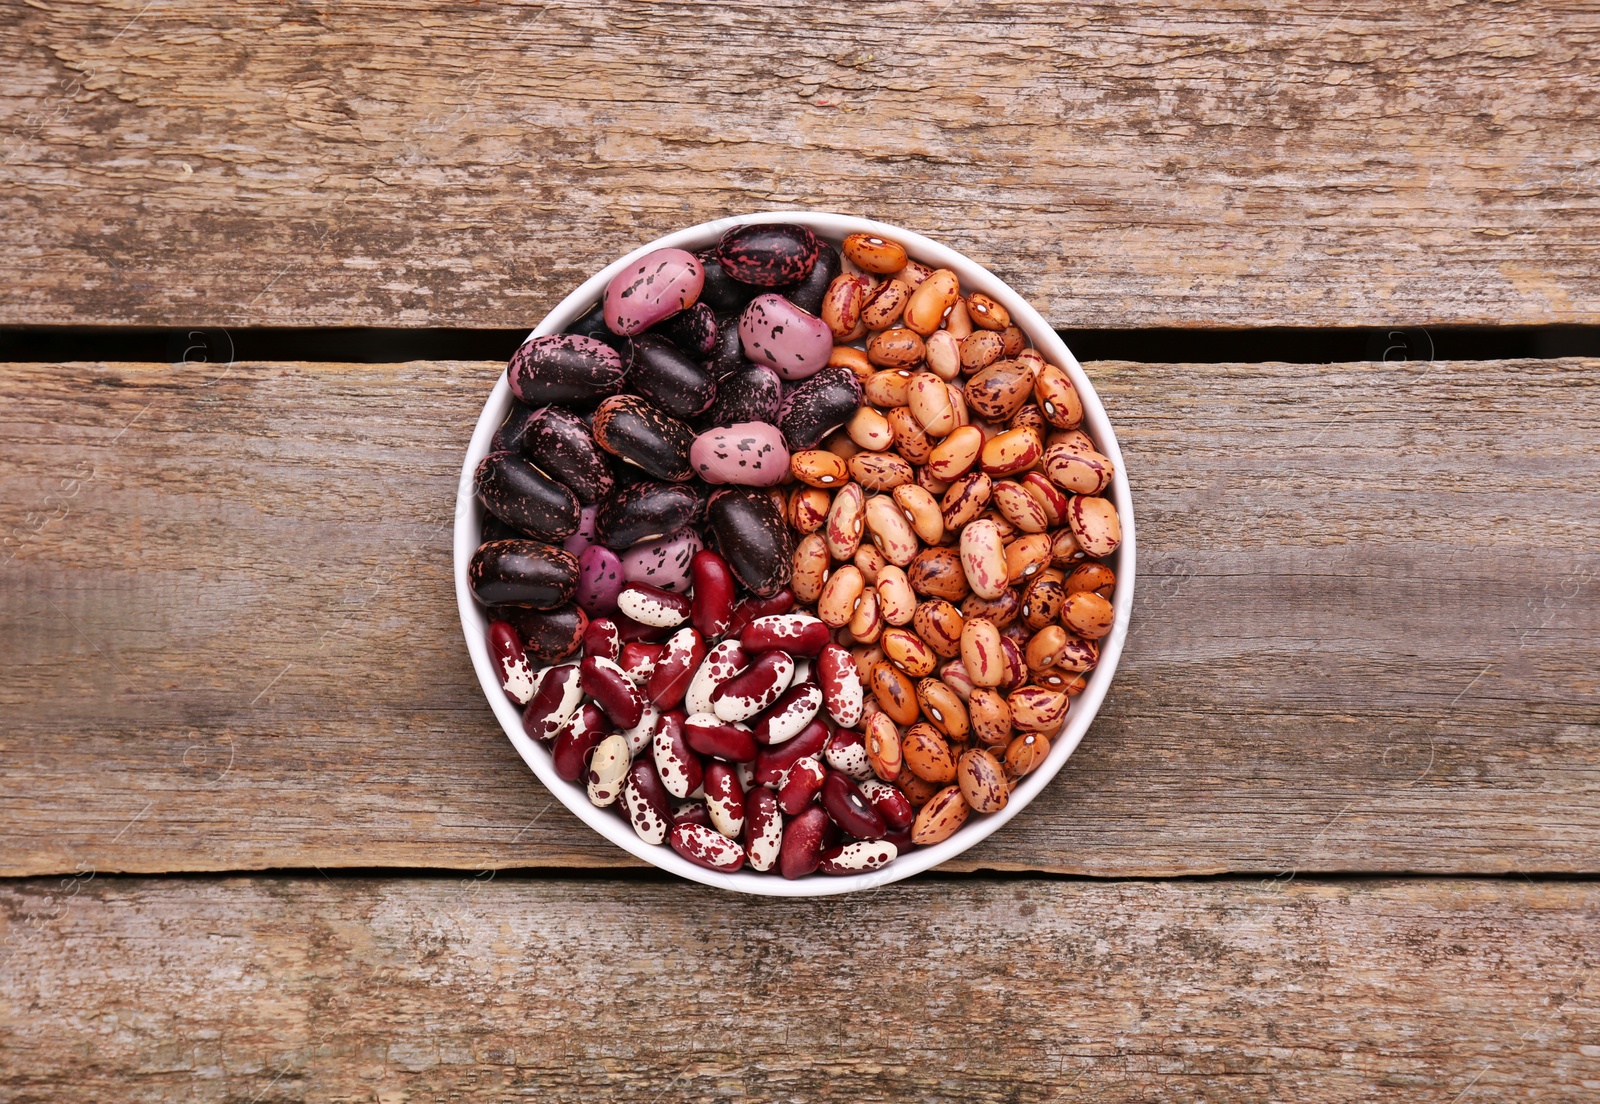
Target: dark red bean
[(712, 608), (577, 742), (799, 634), (804, 839), (849, 809), (706, 847), (751, 608), (892, 805), (730, 742), (691, 812), (601, 639), (769, 254), (629, 630), (682, 658), (773, 761), (901, 840), (638, 661), (609, 685)]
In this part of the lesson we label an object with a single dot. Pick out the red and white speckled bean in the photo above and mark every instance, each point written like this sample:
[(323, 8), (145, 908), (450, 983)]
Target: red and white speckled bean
[(710, 735), (607, 767), (854, 858), (505, 649), (612, 690), (773, 761), (555, 701), (645, 800), (892, 805), (570, 753), (602, 639), (790, 714), (799, 634), (800, 786), (706, 847), (846, 752), (721, 664), (680, 659), (641, 734), (639, 661), (650, 605), (724, 799), (754, 688), (842, 691), (763, 829), (676, 763)]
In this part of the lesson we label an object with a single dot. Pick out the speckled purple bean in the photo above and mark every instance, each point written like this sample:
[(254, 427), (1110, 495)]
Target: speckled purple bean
[(563, 448), (775, 332), (768, 254), (750, 454), (663, 563), (671, 378), (818, 405), (693, 330), (585, 536), (564, 368), (752, 394), (656, 286), (600, 580)]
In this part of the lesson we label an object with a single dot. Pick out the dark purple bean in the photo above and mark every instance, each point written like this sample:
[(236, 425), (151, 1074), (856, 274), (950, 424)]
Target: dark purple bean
[(768, 254), (646, 511), (749, 530), (523, 497), (752, 394), (634, 430), (819, 405), (494, 529), (523, 573), (808, 293), (514, 430), (659, 370), (564, 368), (593, 324), (559, 444), (693, 330), (721, 292), (728, 355), (548, 635)]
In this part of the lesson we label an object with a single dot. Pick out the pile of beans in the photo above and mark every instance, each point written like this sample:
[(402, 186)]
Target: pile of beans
[(828, 538)]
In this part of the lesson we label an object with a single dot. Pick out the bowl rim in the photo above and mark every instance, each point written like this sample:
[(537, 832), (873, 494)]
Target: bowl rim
[(468, 527)]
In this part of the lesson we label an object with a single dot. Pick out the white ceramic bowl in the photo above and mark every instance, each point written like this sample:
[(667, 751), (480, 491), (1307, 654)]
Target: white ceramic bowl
[(469, 523)]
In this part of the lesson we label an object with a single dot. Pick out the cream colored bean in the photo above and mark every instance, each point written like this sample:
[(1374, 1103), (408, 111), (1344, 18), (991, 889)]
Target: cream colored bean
[(983, 558), (906, 650), (871, 253), (944, 354), (1094, 522), (955, 455), (1084, 473), (937, 820), (1088, 614), (870, 561), (982, 654), (896, 600), (966, 499), (944, 707), (910, 439), (1019, 507), (1027, 556), (937, 295), (884, 305), (888, 388), (808, 508), (810, 567), (921, 510), (841, 307), (1056, 396), (846, 520), (870, 429), (879, 471), (818, 468), (866, 623), (981, 349), (928, 398), (1011, 452), (897, 348), (1036, 709), (982, 781), (986, 312), (891, 532), (837, 602)]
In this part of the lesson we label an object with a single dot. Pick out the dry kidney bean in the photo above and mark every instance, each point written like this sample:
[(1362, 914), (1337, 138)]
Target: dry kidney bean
[(891, 532), (772, 762), (937, 573), (990, 716), (1088, 614), (882, 741), (906, 650), (842, 691), (564, 368), (1026, 752), (1095, 525), (653, 606), (897, 348), (954, 456), (808, 509), (710, 735), (706, 847), (879, 471), (753, 689), (724, 799), (555, 702), (677, 765), (943, 706), (790, 715), (894, 692), (607, 766), (1036, 709), (837, 602), (926, 754), (933, 298), (646, 802), (945, 812), (810, 570), (800, 785), (986, 312), (882, 306), (846, 752), (871, 253), (582, 734), (982, 781), (804, 839), (511, 662), (763, 829), (849, 809)]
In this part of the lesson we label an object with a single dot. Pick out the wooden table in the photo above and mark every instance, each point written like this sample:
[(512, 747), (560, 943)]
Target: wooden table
[(1333, 836)]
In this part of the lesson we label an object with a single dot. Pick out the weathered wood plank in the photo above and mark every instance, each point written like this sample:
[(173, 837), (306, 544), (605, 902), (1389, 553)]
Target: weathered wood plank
[(453, 163), (1429, 992), (1367, 633)]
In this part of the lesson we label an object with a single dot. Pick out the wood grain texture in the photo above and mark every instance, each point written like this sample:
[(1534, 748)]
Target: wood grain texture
[(433, 163), (1367, 627), (1428, 992)]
